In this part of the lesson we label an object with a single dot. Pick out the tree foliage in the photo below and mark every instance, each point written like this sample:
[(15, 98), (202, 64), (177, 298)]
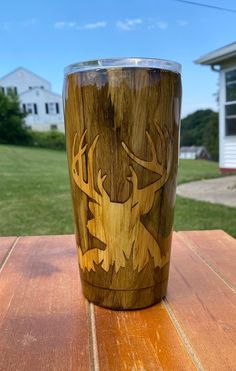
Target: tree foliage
[(12, 125), (201, 129)]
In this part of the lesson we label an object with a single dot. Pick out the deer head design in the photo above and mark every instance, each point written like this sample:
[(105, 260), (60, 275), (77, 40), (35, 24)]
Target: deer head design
[(118, 225)]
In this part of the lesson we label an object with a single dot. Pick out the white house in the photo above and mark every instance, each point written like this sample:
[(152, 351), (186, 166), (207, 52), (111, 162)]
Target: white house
[(43, 107), (194, 153), (223, 60)]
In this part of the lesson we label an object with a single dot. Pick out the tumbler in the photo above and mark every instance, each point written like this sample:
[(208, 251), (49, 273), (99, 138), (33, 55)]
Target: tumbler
[(122, 123)]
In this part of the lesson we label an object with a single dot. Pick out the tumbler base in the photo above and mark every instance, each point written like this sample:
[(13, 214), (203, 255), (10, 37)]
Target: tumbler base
[(125, 299)]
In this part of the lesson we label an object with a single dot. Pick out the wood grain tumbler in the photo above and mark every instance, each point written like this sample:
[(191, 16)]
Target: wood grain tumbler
[(122, 121)]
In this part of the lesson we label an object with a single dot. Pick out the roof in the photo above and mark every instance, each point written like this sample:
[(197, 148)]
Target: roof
[(218, 56), (38, 88), (193, 149), (25, 69)]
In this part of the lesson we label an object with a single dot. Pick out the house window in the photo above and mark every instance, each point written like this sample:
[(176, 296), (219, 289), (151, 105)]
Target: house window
[(30, 108), (230, 103), (2, 89), (12, 89), (53, 127), (230, 119), (9, 90), (52, 108), (230, 79)]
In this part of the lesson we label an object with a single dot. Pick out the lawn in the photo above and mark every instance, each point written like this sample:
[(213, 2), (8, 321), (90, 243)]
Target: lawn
[(190, 170), (35, 195)]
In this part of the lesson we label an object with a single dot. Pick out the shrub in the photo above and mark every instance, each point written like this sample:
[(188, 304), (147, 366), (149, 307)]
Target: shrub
[(48, 139)]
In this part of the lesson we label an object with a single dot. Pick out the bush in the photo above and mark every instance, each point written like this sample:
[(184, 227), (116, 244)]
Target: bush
[(48, 139), (12, 125)]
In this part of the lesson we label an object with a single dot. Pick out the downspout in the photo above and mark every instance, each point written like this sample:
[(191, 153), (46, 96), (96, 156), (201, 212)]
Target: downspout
[(214, 68)]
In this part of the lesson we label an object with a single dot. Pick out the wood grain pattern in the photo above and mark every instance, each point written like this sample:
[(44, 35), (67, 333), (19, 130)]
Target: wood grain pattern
[(117, 224), (43, 315), (218, 249), (5, 246), (123, 180), (45, 324), (139, 340), (204, 307)]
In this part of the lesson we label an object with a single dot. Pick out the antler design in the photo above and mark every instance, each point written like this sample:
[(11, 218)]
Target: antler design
[(116, 224), (145, 196), (87, 188)]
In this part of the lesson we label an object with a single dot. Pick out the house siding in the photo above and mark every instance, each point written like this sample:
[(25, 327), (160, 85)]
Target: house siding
[(42, 121), (230, 153), (33, 89)]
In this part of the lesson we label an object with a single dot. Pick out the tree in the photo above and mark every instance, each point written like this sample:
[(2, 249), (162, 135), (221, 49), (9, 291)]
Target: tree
[(201, 129), (12, 126), (211, 137)]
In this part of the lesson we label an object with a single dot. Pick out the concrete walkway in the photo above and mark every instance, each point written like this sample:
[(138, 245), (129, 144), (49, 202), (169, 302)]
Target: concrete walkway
[(217, 191)]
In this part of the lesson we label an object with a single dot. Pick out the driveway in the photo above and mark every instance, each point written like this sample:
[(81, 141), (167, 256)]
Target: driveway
[(217, 191)]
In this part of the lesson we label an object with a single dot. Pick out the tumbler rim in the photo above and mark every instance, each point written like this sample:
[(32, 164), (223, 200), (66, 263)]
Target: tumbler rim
[(136, 62)]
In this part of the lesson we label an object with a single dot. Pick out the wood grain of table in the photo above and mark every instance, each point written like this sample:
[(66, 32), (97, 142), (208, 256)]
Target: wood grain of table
[(46, 324)]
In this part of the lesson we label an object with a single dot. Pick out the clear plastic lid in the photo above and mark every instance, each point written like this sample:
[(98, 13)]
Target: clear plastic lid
[(123, 62)]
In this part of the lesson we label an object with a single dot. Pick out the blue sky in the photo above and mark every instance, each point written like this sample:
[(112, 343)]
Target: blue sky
[(45, 36)]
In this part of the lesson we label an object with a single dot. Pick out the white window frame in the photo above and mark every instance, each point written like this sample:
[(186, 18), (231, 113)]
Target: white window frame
[(224, 103)]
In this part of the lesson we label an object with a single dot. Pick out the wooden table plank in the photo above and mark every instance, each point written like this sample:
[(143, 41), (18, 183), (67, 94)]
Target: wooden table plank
[(204, 306), (44, 322), (43, 315), (5, 246), (218, 249), (139, 340)]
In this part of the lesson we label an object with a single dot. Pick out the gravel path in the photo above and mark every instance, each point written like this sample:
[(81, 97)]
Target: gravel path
[(217, 191)]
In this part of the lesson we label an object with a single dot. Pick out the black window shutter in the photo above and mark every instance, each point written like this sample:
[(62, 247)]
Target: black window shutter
[(15, 90), (46, 107), (57, 108), (35, 109), (24, 108)]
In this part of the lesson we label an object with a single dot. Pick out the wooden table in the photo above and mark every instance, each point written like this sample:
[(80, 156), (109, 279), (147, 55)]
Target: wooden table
[(46, 324)]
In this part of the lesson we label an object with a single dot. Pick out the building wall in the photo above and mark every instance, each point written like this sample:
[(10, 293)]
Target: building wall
[(188, 155), (33, 89), (23, 80), (42, 120)]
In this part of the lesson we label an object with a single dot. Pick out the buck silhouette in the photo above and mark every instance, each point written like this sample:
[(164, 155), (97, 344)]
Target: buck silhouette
[(118, 225)]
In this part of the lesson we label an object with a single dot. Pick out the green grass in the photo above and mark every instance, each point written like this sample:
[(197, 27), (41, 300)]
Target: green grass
[(197, 215), (35, 195), (190, 170), (34, 192)]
